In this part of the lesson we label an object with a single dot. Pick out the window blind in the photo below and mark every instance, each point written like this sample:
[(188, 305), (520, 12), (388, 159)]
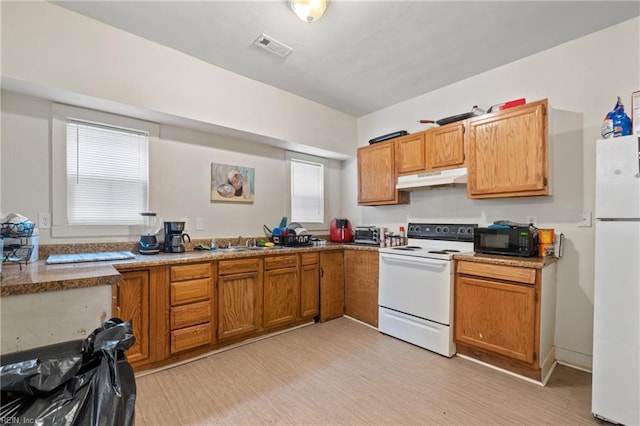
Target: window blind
[(107, 174), (307, 191)]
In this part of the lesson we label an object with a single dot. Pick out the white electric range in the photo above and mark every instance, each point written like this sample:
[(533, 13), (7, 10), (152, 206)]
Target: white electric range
[(416, 281)]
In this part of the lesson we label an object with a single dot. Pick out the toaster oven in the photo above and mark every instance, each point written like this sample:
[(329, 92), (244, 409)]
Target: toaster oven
[(367, 235)]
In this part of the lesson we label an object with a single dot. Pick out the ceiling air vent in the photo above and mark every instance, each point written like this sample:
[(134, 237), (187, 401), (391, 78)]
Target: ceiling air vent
[(272, 45)]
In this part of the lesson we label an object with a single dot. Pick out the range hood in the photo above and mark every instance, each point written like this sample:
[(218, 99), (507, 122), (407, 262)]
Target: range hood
[(433, 179)]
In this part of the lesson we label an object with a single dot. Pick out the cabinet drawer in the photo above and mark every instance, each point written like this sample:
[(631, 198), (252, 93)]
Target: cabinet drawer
[(499, 272), (190, 272), (191, 314), (190, 291), (309, 258), (190, 337), (227, 267), (279, 262)]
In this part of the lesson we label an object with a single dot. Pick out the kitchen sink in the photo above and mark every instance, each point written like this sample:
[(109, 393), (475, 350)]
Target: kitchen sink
[(233, 249)]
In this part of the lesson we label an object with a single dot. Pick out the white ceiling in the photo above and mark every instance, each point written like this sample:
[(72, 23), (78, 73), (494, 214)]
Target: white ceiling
[(361, 56)]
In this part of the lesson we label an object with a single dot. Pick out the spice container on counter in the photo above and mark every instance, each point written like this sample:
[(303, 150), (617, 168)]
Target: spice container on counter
[(402, 237), (546, 242)]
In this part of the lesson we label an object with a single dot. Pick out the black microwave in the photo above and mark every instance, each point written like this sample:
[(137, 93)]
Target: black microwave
[(511, 241)]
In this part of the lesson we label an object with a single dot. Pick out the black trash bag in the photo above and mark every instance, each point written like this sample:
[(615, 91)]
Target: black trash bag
[(79, 382)]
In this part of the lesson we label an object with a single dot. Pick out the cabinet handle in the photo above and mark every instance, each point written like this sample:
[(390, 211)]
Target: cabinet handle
[(321, 272)]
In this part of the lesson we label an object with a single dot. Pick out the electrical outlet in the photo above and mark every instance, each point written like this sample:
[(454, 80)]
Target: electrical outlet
[(199, 224), (532, 220), (44, 220)]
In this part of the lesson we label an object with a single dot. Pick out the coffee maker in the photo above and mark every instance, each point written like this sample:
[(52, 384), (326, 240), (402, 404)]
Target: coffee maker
[(174, 237), (148, 242)]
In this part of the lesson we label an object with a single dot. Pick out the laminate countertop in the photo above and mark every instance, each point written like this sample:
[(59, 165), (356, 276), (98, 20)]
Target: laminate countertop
[(523, 262), (41, 277)]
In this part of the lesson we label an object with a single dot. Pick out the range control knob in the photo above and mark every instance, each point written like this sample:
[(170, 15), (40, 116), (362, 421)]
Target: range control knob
[(445, 230)]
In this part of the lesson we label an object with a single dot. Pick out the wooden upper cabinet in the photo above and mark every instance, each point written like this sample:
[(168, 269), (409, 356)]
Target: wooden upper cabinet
[(411, 154), (508, 153), (445, 146), (377, 175)]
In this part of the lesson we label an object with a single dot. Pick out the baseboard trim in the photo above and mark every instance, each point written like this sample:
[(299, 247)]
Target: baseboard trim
[(573, 359), (360, 322), (511, 373)]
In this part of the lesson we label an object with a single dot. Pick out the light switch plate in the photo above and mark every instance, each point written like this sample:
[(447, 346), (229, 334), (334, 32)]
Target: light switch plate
[(199, 224), (44, 220), (586, 219)]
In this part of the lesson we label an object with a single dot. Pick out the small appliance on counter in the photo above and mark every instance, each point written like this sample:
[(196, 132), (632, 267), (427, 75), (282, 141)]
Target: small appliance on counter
[(340, 231), (174, 237), (506, 238), (148, 242), (368, 235)]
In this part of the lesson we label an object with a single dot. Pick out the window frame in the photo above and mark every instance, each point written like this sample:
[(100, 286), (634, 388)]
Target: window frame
[(289, 156), (60, 113)]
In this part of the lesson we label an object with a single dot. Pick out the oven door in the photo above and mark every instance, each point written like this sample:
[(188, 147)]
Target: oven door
[(417, 286)]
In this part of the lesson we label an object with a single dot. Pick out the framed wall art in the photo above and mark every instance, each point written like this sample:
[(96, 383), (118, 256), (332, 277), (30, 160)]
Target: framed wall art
[(234, 184)]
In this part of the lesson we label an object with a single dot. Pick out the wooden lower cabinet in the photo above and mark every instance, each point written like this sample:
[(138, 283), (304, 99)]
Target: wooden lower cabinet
[(505, 316), (361, 285), (131, 303), (331, 285), (309, 285), (281, 290), (141, 298), (496, 316), (239, 298), (192, 306)]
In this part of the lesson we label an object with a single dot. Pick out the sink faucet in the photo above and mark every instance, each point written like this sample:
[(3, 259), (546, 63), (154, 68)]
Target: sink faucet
[(239, 242)]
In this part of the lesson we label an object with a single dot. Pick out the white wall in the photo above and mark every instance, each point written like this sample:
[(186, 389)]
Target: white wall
[(179, 174), (47, 49), (581, 79)]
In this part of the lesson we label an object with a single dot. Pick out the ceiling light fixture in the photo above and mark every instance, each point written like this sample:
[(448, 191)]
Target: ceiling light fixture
[(309, 10)]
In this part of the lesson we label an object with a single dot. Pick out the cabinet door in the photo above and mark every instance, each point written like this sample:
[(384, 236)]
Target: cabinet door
[(281, 297), (445, 146), (508, 153), (377, 175), (496, 316), (131, 303), (239, 304), (331, 285), (361, 285), (309, 290), (411, 154)]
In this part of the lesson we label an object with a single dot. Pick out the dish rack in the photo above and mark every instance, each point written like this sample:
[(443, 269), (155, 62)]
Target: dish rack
[(16, 237), (291, 240)]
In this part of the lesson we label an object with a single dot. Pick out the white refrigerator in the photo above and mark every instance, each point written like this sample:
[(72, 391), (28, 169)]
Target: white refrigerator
[(616, 301)]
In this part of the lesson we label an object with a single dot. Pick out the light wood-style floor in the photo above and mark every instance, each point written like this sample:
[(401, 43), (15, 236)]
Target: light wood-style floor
[(342, 372)]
